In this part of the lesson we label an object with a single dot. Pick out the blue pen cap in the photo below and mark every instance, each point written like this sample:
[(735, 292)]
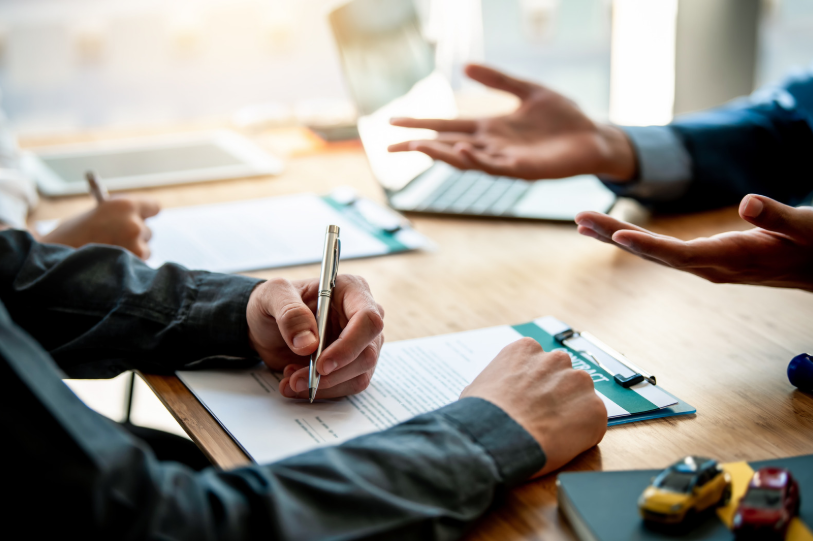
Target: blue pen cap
[(800, 372)]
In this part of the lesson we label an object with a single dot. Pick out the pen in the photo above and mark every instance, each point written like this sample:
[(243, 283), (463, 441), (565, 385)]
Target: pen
[(327, 282), (97, 187)]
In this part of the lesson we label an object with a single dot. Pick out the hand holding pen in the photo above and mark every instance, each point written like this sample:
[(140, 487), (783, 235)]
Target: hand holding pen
[(118, 221), (283, 330)]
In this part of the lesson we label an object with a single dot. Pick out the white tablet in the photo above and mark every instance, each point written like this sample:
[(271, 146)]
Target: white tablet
[(144, 162)]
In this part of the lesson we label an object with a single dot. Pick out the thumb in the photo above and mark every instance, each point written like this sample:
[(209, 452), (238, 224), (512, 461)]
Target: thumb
[(499, 80), (295, 321), (147, 207), (772, 215)]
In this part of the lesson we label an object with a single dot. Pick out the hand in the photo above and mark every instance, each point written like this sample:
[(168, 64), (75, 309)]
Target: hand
[(777, 253), (282, 330), (548, 136), (119, 221), (542, 392)]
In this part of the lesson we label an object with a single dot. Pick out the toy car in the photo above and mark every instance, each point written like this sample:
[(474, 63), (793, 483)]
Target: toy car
[(771, 502), (685, 488)]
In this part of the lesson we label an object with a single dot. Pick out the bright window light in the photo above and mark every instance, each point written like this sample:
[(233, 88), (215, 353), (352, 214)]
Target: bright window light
[(642, 77)]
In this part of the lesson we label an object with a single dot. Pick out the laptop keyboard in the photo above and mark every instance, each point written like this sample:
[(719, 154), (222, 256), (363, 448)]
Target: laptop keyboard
[(473, 192)]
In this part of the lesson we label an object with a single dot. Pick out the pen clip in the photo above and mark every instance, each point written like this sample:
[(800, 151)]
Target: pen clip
[(337, 250)]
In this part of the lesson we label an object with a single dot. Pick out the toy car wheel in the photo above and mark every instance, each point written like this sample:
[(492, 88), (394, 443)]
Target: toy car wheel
[(726, 498)]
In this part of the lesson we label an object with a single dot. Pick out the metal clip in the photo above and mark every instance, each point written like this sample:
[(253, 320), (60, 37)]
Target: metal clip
[(637, 376), (337, 249)]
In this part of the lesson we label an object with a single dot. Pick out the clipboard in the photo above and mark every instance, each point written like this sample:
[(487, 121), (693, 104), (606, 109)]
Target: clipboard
[(626, 373)]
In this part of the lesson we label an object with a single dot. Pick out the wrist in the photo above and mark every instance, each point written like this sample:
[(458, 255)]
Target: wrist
[(619, 163)]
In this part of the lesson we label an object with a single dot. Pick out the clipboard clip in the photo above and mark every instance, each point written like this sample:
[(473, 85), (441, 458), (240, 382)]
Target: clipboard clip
[(568, 338)]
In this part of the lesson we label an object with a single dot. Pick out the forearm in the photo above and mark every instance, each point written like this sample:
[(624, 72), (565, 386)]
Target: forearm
[(100, 310), (428, 478)]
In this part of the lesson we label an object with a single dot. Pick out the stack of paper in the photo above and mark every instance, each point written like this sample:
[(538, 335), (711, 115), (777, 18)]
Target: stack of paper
[(412, 377)]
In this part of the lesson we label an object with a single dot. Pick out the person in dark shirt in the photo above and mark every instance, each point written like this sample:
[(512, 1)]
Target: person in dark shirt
[(96, 311)]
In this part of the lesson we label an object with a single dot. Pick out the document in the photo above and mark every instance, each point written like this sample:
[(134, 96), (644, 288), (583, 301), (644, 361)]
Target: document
[(266, 233), (412, 377)]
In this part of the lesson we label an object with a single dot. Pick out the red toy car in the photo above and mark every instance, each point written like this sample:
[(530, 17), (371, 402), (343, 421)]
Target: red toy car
[(771, 502)]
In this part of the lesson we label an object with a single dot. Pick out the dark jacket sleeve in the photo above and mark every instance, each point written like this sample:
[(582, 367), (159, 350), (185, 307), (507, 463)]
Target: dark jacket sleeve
[(100, 310), (74, 474)]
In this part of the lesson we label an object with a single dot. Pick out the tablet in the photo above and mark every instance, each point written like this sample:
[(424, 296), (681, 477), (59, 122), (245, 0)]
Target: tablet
[(144, 162)]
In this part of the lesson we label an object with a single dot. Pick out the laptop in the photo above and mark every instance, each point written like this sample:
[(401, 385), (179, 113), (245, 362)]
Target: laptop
[(390, 70)]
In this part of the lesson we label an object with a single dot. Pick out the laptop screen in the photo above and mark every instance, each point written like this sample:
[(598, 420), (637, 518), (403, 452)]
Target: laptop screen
[(390, 70)]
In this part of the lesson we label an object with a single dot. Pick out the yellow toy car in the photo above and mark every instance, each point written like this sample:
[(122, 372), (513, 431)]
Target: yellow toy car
[(689, 486)]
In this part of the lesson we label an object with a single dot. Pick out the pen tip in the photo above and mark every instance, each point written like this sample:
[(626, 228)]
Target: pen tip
[(311, 394)]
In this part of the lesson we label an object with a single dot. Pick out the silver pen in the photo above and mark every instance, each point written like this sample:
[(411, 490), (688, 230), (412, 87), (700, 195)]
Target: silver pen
[(97, 187), (327, 281)]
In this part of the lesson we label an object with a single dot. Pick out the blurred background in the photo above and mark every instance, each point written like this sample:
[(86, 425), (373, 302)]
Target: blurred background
[(73, 65)]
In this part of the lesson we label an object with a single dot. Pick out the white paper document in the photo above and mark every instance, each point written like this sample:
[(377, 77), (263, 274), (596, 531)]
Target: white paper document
[(261, 234), (412, 377)]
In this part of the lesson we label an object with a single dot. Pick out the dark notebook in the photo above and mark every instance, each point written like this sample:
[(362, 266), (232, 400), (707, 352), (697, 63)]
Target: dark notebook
[(602, 506)]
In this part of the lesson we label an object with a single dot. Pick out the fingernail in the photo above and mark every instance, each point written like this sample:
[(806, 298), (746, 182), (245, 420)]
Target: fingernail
[(587, 232), (753, 207), (300, 385), (304, 339), (328, 367), (586, 223), (627, 243)]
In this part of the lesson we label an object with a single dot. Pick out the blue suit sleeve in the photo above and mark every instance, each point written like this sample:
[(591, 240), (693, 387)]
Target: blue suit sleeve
[(762, 145)]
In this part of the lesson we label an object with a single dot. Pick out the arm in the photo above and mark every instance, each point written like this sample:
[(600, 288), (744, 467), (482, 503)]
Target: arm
[(100, 310), (714, 158), (699, 161), (428, 478)]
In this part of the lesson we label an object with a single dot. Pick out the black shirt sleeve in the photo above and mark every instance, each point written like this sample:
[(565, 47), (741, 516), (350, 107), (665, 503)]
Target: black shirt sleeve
[(100, 310), (74, 473)]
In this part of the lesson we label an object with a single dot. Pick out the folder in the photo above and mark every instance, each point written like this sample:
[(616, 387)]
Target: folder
[(602, 506)]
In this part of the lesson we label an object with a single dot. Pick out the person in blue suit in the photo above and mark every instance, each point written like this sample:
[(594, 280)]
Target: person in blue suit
[(762, 144)]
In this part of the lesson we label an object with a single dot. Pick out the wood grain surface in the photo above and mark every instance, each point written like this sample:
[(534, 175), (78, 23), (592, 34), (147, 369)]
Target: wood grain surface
[(722, 348)]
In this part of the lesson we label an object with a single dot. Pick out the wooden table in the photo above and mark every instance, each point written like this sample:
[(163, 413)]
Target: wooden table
[(722, 348)]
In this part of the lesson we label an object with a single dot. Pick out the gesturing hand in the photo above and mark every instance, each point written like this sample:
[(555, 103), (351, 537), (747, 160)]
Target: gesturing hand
[(119, 221), (778, 252), (282, 330), (548, 136), (542, 392)]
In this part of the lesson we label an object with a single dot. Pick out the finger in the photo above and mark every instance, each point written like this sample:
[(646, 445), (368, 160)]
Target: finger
[(764, 212), (454, 138), (587, 232), (366, 362), (147, 207), (354, 386), (364, 324), (295, 321), (146, 234), (291, 369), (443, 152), (499, 80), (491, 164), (604, 224), (675, 253), (436, 124)]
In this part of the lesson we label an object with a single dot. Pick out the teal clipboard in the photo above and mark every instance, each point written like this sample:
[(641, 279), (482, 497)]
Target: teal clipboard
[(681, 408)]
